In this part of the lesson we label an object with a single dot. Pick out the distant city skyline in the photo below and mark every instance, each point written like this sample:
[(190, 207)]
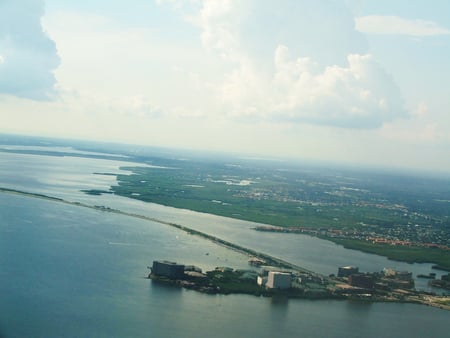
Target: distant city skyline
[(347, 81)]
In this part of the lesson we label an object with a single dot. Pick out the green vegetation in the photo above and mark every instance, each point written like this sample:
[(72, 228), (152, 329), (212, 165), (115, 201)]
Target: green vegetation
[(235, 281), (259, 196), (410, 254)]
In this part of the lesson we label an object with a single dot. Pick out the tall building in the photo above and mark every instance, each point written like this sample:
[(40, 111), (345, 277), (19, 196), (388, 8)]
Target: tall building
[(362, 280), (278, 280), (168, 269)]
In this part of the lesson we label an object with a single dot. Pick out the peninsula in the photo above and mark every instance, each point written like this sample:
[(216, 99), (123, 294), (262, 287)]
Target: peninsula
[(269, 281)]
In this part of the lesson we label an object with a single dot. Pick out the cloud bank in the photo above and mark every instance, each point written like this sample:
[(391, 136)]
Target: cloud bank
[(358, 95), (311, 69), (28, 56)]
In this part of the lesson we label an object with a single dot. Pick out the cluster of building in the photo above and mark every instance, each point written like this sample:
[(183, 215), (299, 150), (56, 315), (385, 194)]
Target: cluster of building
[(306, 282), (396, 234), (270, 278), (385, 280), (349, 279), (443, 283), (350, 283)]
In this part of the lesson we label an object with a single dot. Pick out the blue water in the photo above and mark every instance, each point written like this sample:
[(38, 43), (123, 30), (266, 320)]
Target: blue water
[(68, 271), (75, 272)]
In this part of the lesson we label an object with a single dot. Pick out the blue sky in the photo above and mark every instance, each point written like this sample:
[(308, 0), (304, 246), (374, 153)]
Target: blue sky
[(359, 82)]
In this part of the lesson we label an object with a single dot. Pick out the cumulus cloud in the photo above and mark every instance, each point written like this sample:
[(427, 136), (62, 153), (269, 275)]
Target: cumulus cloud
[(28, 55), (309, 69), (359, 95), (394, 25)]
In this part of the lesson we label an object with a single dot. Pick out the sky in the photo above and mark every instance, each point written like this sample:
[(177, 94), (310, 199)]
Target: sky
[(349, 81)]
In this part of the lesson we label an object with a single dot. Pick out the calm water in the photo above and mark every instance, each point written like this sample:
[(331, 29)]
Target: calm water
[(75, 272)]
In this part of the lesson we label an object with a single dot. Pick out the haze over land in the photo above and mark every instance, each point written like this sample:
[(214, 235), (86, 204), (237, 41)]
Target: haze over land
[(362, 82)]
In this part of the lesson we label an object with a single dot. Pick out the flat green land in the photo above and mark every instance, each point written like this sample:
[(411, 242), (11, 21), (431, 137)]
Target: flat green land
[(270, 197), (235, 282), (409, 254)]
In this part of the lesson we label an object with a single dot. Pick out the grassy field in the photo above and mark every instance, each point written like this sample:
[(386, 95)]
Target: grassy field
[(267, 200)]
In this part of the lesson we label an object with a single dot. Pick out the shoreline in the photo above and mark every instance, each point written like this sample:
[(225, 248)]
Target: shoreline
[(441, 302), (210, 287), (246, 251)]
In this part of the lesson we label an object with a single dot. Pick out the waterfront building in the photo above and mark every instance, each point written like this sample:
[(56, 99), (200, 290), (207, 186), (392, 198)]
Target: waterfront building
[(361, 280), (398, 279), (404, 275), (168, 269), (278, 280)]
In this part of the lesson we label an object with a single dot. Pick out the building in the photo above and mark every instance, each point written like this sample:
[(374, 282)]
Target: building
[(345, 271), (398, 279), (278, 280), (404, 275), (168, 269), (391, 273), (192, 268), (362, 280)]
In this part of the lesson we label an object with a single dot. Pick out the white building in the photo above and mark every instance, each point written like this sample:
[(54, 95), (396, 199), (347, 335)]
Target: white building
[(279, 280), (262, 281)]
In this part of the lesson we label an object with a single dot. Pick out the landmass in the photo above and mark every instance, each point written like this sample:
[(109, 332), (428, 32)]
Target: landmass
[(269, 281)]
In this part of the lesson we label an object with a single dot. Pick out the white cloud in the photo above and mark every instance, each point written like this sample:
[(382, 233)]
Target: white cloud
[(29, 57), (359, 95), (235, 29), (303, 88), (395, 25)]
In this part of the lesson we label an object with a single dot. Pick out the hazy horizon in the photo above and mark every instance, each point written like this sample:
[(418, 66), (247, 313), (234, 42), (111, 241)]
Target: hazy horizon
[(177, 153)]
